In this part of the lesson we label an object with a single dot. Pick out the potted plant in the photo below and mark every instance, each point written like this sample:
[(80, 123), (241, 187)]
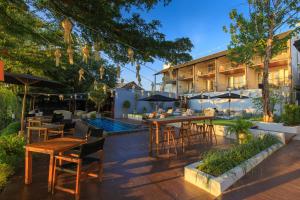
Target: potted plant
[(126, 105), (241, 129)]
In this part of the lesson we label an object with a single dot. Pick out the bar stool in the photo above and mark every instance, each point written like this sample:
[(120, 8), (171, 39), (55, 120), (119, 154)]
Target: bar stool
[(210, 131), (169, 138), (184, 132), (200, 128)]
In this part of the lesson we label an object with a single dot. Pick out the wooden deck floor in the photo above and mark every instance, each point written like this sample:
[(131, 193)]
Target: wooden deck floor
[(130, 173)]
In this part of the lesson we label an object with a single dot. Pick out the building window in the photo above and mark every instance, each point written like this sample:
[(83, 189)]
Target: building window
[(277, 78), (236, 81), (210, 68)]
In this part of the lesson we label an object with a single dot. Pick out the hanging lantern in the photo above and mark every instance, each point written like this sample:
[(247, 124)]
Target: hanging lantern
[(67, 26), (95, 85), (138, 68), (70, 54), (61, 97), (130, 54), (104, 88), (85, 53), (81, 74), (112, 93), (133, 88), (148, 94), (101, 71), (57, 55), (142, 92), (118, 71), (122, 81)]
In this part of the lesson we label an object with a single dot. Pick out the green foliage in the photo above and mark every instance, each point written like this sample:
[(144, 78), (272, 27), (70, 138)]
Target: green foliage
[(11, 149), (12, 128), (126, 104), (119, 25), (93, 115), (9, 106), (291, 115), (176, 104), (98, 95), (5, 172), (144, 109), (254, 34), (241, 126), (11, 153), (217, 162), (275, 99)]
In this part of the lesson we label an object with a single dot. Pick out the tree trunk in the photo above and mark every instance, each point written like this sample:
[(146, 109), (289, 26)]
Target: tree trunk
[(267, 112)]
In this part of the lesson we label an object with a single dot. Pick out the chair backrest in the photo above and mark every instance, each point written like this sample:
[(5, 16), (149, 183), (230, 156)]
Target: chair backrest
[(95, 132), (69, 125), (91, 147), (57, 118), (81, 129)]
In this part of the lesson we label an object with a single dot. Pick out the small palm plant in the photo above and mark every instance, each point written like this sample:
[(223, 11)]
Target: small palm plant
[(241, 129)]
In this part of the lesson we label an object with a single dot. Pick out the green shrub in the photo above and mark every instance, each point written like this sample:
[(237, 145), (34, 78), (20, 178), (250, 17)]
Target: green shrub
[(11, 149), (126, 104), (11, 153), (217, 162), (12, 128), (5, 172), (241, 126), (291, 115), (10, 105)]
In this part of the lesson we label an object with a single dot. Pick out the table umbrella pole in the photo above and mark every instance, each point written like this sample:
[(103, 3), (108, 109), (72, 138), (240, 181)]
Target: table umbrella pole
[(23, 109), (229, 106)]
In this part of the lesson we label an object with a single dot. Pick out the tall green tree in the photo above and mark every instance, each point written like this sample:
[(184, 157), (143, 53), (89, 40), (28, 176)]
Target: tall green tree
[(255, 34)]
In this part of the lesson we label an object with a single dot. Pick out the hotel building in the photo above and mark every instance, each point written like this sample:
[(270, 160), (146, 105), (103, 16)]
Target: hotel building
[(216, 73)]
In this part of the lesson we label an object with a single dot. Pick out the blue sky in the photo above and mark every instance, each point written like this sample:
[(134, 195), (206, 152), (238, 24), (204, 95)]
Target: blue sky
[(200, 20)]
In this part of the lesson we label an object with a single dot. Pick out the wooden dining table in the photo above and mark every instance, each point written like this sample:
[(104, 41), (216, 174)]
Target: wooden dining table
[(158, 123), (51, 147)]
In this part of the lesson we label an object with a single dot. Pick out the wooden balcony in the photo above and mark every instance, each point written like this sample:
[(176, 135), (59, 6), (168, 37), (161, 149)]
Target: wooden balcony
[(185, 78), (275, 63), (229, 69), (208, 74)]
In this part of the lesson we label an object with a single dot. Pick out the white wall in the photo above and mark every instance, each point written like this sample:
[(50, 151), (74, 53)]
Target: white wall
[(122, 95)]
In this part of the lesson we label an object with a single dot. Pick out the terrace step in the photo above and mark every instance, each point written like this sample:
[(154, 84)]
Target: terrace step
[(290, 136)]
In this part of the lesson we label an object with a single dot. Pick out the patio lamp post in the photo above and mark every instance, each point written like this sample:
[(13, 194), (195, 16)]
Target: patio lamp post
[(229, 100)]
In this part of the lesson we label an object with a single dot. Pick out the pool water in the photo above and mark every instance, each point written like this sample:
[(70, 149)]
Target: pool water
[(110, 125)]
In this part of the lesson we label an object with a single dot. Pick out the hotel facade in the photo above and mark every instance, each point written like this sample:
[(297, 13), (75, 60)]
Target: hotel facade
[(216, 73)]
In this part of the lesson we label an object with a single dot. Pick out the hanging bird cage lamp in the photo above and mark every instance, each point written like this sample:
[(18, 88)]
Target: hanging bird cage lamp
[(101, 71), (67, 26), (57, 55)]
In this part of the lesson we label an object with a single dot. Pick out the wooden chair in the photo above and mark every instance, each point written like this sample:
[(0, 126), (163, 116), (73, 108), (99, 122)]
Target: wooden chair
[(57, 131), (38, 129), (169, 136), (80, 164)]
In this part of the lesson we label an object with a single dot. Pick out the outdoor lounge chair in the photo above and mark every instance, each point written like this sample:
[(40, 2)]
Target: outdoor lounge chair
[(79, 164)]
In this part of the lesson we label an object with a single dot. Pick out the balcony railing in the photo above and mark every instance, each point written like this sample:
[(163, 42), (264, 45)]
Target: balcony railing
[(228, 68)]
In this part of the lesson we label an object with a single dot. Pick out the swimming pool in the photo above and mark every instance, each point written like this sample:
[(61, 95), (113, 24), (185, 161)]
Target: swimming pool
[(112, 126)]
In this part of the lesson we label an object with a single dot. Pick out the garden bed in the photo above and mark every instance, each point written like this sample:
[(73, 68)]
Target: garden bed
[(212, 178)]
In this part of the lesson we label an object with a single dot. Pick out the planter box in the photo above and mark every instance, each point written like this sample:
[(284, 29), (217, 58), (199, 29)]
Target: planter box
[(217, 185), (222, 131), (277, 127)]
